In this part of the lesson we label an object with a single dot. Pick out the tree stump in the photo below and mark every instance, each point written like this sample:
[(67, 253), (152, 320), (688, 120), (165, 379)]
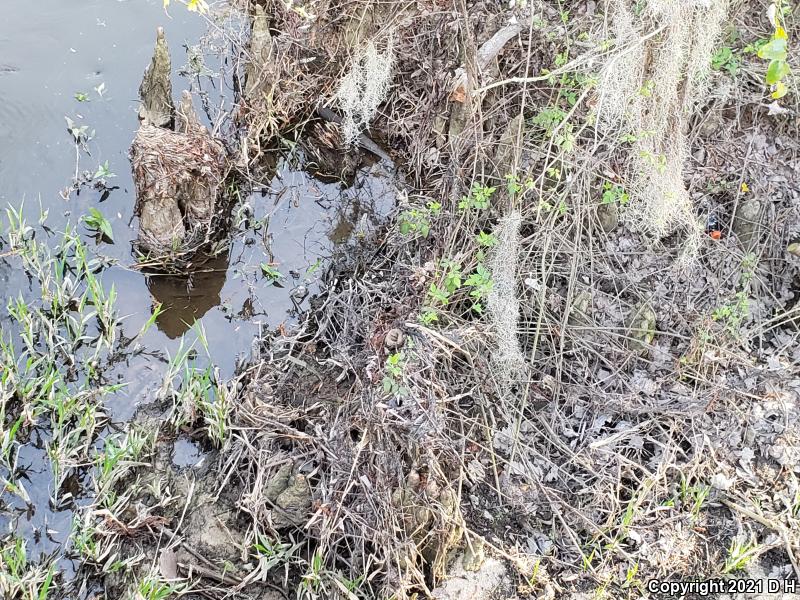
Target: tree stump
[(178, 173)]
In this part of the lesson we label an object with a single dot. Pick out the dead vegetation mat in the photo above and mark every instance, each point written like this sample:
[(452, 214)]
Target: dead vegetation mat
[(652, 422)]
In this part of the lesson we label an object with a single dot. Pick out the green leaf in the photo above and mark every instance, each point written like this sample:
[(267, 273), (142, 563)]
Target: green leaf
[(271, 272), (486, 240), (780, 90), (775, 49), (103, 172), (438, 295), (452, 281), (44, 591), (97, 221), (778, 69), (429, 316)]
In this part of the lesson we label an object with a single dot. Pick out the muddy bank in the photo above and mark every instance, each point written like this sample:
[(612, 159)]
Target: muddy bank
[(521, 384)]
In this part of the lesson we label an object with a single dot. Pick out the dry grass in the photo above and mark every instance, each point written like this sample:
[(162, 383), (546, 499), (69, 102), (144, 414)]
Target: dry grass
[(595, 457), (606, 453)]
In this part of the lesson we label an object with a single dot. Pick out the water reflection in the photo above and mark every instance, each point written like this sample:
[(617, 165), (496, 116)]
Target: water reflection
[(187, 298)]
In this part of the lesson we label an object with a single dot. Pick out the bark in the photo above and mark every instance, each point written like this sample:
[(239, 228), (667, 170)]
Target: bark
[(155, 91), (259, 72), (178, 174)]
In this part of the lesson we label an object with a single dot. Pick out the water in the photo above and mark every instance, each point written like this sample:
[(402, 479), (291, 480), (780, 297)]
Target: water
[(53, 50)]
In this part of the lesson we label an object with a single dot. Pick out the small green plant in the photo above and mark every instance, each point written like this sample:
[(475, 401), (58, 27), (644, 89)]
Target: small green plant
[(351, 585), (312, 580), (311, 270), (561, 207), (587, 559), (451, 281), (699, 496), (548, 118), (659, 161), (95, 221), (754, 47), (630, 575), (196, 392), (647, 89), (553, 120), (486, 240), (692, 497), (749, 264), (81, 97), (216, 411), (415, 221), (452, 275), (319, 581), (418, 220), (20, 578), (271, 273), (428, 316), (514, 186), (733, 314), (739, 555), (153, 587), (481, 283), (724, 59), (776, 51), (395, 364), (80, 133), (103, 173), (614, 194), (533, 579), (438, 295), (272, 553), (394, 369), (478, 198), (120, 454)]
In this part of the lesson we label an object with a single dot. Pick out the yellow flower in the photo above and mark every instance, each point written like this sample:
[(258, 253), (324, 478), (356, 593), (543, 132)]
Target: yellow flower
[(745, 188), (200, 6)]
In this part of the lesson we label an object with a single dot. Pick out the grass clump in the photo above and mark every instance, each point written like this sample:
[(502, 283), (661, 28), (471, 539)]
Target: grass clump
[(20, 578)]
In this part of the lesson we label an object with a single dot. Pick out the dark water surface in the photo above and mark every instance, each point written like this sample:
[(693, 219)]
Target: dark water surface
[(51, 50)]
